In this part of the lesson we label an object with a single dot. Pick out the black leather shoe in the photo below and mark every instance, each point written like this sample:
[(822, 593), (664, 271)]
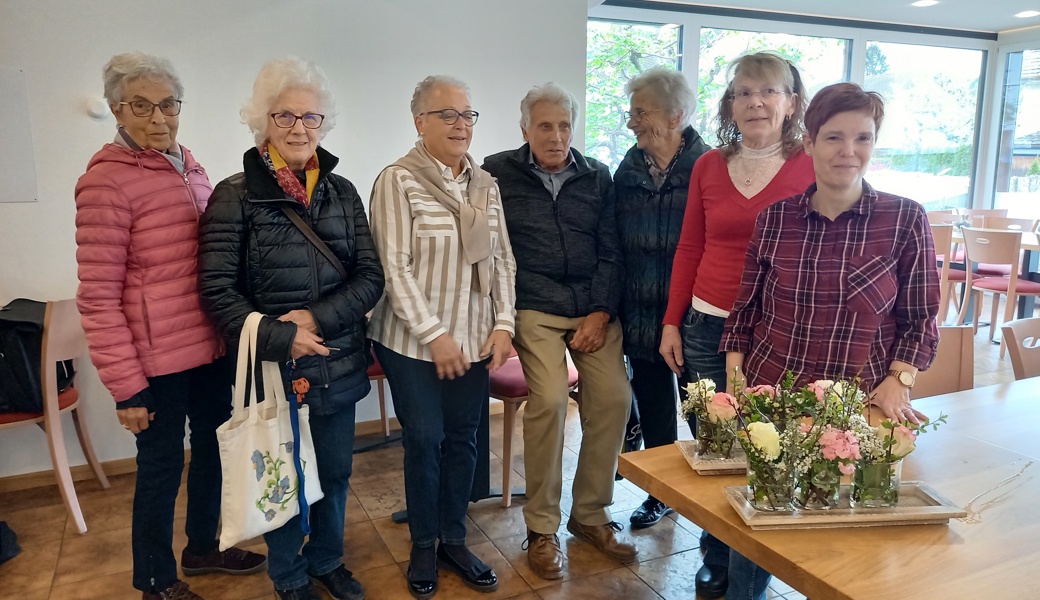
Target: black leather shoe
[(422, 572), (474, 573), (341, 585), (649, 513), (712, 581)]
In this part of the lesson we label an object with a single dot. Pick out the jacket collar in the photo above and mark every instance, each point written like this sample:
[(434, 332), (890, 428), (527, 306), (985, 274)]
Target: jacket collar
[(633, 167), (522, 156), (261, 182)]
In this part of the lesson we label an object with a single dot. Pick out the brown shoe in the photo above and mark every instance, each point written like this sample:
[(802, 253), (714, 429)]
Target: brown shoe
[(544, 554), (233, 561), (602, 537), (177, 591)]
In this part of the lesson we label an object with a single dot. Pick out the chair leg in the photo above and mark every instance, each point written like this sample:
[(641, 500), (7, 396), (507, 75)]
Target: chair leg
[(508, 430), (963, 310), (88, 449), (60, 460), (1009, 315), (993, 316), (382, 407)]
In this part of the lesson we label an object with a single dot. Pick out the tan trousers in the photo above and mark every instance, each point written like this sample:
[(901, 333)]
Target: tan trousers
[(606, 398)]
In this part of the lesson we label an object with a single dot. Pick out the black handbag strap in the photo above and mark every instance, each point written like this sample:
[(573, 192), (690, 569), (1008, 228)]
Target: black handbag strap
[(314, 239)]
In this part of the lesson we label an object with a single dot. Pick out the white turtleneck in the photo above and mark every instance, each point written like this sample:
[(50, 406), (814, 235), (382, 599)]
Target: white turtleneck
[(751, 169)]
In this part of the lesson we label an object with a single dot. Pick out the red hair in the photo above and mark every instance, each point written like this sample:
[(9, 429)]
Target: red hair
[(839, 98)]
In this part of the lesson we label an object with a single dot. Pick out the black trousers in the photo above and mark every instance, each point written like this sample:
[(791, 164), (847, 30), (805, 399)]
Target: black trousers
[(656, 397)]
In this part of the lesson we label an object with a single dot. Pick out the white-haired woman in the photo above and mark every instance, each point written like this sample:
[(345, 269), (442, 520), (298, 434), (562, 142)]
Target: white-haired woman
[(252, 257), (651, 185), (759, 161), (446, 320), (137, 213)]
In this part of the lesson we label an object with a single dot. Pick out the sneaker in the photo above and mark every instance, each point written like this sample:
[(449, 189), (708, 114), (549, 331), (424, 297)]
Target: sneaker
[(340, 584), (306, 592), (232, 561), (602, 537), (178, 591)]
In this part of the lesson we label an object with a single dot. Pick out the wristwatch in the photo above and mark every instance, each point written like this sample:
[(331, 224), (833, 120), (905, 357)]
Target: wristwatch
[(904, 377)]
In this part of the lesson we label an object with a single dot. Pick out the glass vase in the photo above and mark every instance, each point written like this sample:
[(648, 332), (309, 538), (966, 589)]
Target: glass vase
[(819, 487), (715, 441), (770, 485), (876, 484)]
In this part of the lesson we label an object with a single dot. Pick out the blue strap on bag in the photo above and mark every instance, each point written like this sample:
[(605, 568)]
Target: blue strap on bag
[(301, 495)]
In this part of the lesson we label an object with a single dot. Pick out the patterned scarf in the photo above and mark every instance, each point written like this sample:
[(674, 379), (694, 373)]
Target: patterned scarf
[(287, 179), (657, 174)]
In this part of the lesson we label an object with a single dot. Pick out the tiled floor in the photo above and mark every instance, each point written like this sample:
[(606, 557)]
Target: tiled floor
[(58, 564)]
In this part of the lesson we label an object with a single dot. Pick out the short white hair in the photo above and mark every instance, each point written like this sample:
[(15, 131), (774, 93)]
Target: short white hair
[(122, 69), (669, 88), (424, 88), (279, 76), (550, 92)]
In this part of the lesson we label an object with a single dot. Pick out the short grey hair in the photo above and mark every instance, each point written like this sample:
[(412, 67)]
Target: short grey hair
[(425, 87), (279, 76), (550, 92), (122, 69), (669, 88)]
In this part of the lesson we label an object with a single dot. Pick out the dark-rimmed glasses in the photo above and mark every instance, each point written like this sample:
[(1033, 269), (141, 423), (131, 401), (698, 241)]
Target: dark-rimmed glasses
[(287, 120), (146, 108), (450, 116)]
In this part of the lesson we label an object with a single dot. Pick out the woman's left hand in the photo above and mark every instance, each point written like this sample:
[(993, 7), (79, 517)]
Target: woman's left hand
[(303, 318), (498, 346), (893, 398)]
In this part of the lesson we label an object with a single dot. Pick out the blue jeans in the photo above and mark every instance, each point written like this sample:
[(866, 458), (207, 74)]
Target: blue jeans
[(202, 396), (701, 335), (439, 419), (287, 565)]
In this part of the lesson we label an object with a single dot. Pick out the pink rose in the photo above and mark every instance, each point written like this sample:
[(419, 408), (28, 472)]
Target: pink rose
[(721, 407), (847, 468), (805, 428), (765, 390), (839, 444), (817, 389)]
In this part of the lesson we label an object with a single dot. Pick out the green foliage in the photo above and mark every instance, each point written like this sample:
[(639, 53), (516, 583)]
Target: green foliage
[(958, 161), (877, 64), (617, 52), (1034, 169)]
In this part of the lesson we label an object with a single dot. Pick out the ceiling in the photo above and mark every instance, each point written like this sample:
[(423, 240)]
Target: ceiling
[(974, 15)]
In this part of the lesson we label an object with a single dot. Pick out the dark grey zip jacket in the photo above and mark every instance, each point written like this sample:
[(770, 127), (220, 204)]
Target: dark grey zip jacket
[(567, 254)]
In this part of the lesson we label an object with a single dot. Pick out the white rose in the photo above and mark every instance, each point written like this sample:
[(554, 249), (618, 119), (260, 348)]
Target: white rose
[(702, 388), (766, 438), (904, 440)]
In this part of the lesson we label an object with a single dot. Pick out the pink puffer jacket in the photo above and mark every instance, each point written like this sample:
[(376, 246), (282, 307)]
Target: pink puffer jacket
[(137, 222)]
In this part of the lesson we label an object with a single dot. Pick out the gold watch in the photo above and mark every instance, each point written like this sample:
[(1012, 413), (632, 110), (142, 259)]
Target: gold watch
[(906, 378)]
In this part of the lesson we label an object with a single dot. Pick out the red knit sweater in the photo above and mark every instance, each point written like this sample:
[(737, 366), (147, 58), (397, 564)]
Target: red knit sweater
[(716, 230)]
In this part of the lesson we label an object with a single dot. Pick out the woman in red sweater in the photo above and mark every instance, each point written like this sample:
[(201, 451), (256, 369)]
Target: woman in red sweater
[(759, 161)]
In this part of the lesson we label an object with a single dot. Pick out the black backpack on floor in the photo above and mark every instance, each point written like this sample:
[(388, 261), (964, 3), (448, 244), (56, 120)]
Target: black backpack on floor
[(21, 342)]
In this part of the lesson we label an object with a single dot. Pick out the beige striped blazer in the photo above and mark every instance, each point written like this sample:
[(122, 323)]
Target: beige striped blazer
[(430, 289)]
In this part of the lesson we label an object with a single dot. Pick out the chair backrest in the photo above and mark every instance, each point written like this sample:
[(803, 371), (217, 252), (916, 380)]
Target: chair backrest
[(940, 218), (942, 239), (984, 212), (993, 247), (1023, 344), (1024, 225), (953, 369), (63, 339)]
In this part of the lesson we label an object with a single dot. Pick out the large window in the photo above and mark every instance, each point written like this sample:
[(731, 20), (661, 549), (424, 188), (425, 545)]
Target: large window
[(820, 60), (926, 145), (617, 52), (1018, 159)]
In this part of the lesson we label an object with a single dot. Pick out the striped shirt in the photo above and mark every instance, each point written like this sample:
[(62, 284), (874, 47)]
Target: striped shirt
[(430, 289), (836, 299)]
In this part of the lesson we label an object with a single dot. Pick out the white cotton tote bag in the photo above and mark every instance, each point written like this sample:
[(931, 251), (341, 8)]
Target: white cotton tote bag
[(260, 488)]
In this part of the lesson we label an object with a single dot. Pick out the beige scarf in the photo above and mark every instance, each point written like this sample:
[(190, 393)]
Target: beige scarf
[(475, 233)]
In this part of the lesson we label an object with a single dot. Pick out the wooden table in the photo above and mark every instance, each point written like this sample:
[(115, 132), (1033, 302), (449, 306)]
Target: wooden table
[(993, 434)]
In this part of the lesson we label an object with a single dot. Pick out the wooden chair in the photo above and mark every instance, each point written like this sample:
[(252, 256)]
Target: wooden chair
[(953, 369), (378, 379), (996, 248), (1007, 224), (63, 339), (1023, 343), (509, 386)]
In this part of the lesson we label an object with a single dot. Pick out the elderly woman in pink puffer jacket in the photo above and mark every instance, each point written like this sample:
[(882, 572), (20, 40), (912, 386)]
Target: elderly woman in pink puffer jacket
[(137, 213)]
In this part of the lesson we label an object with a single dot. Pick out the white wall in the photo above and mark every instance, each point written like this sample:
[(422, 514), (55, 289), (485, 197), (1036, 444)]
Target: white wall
[(373, 51)]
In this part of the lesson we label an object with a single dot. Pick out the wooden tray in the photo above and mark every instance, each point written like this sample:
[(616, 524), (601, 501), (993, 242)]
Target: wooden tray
[(918, 504), (735, 465)]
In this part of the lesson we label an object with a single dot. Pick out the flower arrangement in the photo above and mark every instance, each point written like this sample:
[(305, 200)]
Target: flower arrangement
[(878, 475), (715, 414)]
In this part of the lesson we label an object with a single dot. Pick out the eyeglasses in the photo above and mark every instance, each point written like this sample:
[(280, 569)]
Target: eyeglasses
[(766, 94), (144, 108), (639, 114), (287, 120), (450, 116)]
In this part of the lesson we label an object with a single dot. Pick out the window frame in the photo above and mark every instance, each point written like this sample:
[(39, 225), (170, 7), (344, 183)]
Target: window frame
[(986, 135)]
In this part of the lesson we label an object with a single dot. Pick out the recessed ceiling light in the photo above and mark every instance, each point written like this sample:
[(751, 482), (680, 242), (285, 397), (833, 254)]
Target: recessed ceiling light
[(1027, 14), (924, 3)]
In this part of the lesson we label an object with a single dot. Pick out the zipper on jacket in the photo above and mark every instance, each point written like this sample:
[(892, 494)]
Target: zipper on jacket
[(316, 293), (191, 194), (563, 246)]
